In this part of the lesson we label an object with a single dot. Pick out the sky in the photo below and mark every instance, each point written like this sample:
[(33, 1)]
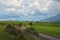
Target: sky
[(28, 10)]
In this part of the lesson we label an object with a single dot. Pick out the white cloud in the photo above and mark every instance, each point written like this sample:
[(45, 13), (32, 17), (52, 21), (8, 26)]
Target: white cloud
[(37, 4), (59, 6), (12, 2), (33, 12), (53, 13), (25, 14), (10, 9), (16, 3), (29, 7), (43, 5), (8, 19)]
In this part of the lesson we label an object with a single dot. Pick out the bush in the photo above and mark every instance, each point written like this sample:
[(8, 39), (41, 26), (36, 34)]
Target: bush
[(12, 30), (32, 31)]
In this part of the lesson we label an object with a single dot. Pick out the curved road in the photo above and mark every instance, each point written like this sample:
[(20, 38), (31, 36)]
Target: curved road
[(48, 37)]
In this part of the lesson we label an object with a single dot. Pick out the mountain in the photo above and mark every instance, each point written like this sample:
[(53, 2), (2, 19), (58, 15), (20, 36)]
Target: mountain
[(52, 19)]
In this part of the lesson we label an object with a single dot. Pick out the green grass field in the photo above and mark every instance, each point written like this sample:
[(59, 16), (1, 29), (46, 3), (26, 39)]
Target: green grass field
[(4, 35), (49, 28)]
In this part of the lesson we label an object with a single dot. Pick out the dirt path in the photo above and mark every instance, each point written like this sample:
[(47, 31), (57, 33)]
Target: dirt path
[(48, 37)]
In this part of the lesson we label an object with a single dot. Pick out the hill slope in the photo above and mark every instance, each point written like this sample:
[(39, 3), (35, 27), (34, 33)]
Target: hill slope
[(52, 19)]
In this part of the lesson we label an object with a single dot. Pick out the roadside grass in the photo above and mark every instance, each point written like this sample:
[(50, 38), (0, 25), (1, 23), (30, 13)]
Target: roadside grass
[(4, 35), (48, 28)]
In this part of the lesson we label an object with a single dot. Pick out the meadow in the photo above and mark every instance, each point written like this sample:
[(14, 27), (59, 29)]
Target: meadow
[(48, 28)]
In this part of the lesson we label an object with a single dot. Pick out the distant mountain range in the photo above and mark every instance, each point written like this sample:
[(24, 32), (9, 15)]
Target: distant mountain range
[(52, 19)]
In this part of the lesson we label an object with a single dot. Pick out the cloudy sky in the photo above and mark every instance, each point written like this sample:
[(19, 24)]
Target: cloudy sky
[(32, 10)]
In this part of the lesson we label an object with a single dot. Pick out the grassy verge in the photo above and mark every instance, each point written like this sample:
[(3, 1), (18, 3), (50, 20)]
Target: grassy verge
[(4, 35), (48, 29)]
